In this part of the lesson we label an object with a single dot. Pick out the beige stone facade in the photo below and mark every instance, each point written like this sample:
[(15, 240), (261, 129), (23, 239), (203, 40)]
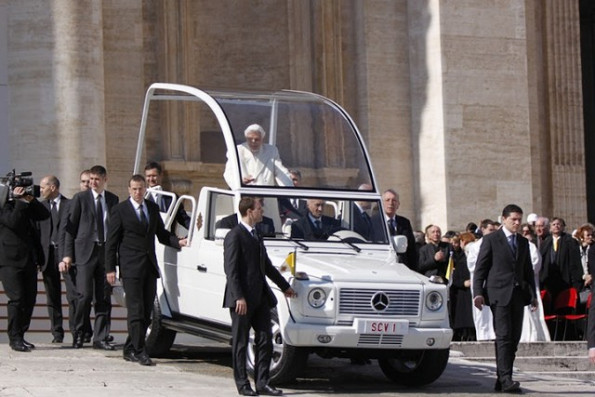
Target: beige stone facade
[(465, 105)]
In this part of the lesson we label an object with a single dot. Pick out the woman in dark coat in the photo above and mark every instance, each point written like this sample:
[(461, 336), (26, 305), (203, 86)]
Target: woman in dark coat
[(460, 291)]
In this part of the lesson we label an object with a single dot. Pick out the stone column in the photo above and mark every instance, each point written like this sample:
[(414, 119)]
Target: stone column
[(565, 111)]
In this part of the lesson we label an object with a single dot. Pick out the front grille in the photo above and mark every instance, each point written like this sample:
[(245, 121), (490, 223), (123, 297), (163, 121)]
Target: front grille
[(374, 339), (355, 301)]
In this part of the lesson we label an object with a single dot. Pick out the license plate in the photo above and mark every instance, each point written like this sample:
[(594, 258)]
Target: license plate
[(382, 327)]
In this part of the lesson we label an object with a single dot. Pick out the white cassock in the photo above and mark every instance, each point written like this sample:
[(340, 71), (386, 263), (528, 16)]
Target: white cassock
[(483, 319), (265, 167), (534, 326)]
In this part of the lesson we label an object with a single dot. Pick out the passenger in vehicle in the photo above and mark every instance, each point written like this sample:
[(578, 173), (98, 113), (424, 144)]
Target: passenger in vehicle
[(362, 223), (260, 163), (315, 226)]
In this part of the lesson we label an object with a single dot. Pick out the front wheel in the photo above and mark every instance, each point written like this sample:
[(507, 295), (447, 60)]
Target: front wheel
[(287, 361), (415, 368), (159, 339)]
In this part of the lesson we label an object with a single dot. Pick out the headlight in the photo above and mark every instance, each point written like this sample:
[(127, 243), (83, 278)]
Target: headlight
[(434, 301), (317, 298)]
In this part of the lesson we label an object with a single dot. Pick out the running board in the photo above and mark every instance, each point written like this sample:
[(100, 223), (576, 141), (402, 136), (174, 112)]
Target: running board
[(202, 328)]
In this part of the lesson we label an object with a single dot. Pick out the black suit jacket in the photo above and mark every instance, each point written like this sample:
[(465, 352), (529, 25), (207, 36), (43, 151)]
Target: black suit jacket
[(428, 265), (288, 210), (45, 231), (265, 228), (362, 222), (304, 228), (80, 230), (246, 264), (132, 244), (19, 241), (497, 270), (568, 260), (404, 228)]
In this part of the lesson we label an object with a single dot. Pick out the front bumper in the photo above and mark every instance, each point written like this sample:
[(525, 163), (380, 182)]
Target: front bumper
[(348, 337)]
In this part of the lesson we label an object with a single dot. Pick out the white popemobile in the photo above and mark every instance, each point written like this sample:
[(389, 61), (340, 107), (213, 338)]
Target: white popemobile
[(354, 299)]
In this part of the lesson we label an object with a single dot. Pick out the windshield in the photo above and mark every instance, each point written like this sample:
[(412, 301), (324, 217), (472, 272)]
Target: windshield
[(292, 140), (310, 219)]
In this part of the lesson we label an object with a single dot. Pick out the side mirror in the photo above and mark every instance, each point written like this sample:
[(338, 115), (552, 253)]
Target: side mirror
[(400, 243)]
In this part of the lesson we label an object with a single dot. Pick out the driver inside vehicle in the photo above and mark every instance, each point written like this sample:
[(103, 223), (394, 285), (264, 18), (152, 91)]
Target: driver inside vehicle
[(314, 225)]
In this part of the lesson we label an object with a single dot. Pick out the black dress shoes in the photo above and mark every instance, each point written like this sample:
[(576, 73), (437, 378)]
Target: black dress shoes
[(269, 391), (247, 391), (144, 359), (511, 387), (28, 345), (498, 385), (58, 339), (19, 347), (77, 341), (103, 345), (130, 356), (87, 338), (110, 338)]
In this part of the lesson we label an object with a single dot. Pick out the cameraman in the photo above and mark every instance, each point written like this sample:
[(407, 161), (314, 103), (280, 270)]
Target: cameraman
[(20, 253)]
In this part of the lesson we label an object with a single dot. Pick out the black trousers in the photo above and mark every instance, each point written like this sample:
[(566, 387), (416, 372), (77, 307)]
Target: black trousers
[(20, 286), (92, 283), (508, 326), (258, 318), (140, 296), (53, 291), (72, 297)]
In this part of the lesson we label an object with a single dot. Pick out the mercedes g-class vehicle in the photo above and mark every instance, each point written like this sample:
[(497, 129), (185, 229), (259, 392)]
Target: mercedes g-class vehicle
[(355, 300)]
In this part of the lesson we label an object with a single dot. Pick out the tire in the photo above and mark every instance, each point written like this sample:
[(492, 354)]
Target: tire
[(159, 339), (415, 368), (287, 362)]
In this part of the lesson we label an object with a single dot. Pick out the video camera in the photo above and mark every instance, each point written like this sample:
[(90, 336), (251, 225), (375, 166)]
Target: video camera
[(12, 180)]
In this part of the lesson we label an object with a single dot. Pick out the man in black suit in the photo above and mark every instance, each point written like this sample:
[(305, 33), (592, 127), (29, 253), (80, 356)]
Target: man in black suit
[(20, 253), (84, 245), (249, 297), (504, 280), (397, 226), (314, 225), (134, 224), (50, 242), (361, 221), (561, 266), (153, 176)]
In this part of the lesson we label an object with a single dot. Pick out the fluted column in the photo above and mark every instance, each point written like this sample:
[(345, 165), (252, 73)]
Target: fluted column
[(565, 110)]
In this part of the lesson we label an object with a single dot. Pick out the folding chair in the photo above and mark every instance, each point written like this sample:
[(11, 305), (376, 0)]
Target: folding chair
[(550, 318), (565, 308)]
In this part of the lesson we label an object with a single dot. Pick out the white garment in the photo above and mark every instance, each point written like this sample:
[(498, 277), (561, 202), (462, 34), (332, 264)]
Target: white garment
[(483, 319), (534, 325), (265, 167)]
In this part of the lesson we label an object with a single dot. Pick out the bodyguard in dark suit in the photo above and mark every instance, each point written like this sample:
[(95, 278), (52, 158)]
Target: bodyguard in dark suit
[(397, 226), (314, 225), (84, 245), (153, 175), (249, 297), (49, 237), (504, 280), (20, 254), (134, 224)]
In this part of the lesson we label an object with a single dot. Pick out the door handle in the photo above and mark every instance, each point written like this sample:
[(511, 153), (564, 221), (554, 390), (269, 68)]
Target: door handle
[(202, 269)]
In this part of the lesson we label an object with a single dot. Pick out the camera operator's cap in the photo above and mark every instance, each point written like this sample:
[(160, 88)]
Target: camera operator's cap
[(531, 218)]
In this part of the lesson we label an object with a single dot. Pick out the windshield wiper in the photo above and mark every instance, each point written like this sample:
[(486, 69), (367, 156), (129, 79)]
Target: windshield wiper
[(300, 244), (349, 243)]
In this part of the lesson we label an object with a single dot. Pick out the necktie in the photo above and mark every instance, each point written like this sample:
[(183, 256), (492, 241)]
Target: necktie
[(55, 220), (512, 243), (391, 227), (317, 224), (99, 219), (143, 217), (253, 232), (555, 244)]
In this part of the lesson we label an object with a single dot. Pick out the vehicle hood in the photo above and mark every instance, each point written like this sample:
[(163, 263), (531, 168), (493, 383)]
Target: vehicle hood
[(362, 267)]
